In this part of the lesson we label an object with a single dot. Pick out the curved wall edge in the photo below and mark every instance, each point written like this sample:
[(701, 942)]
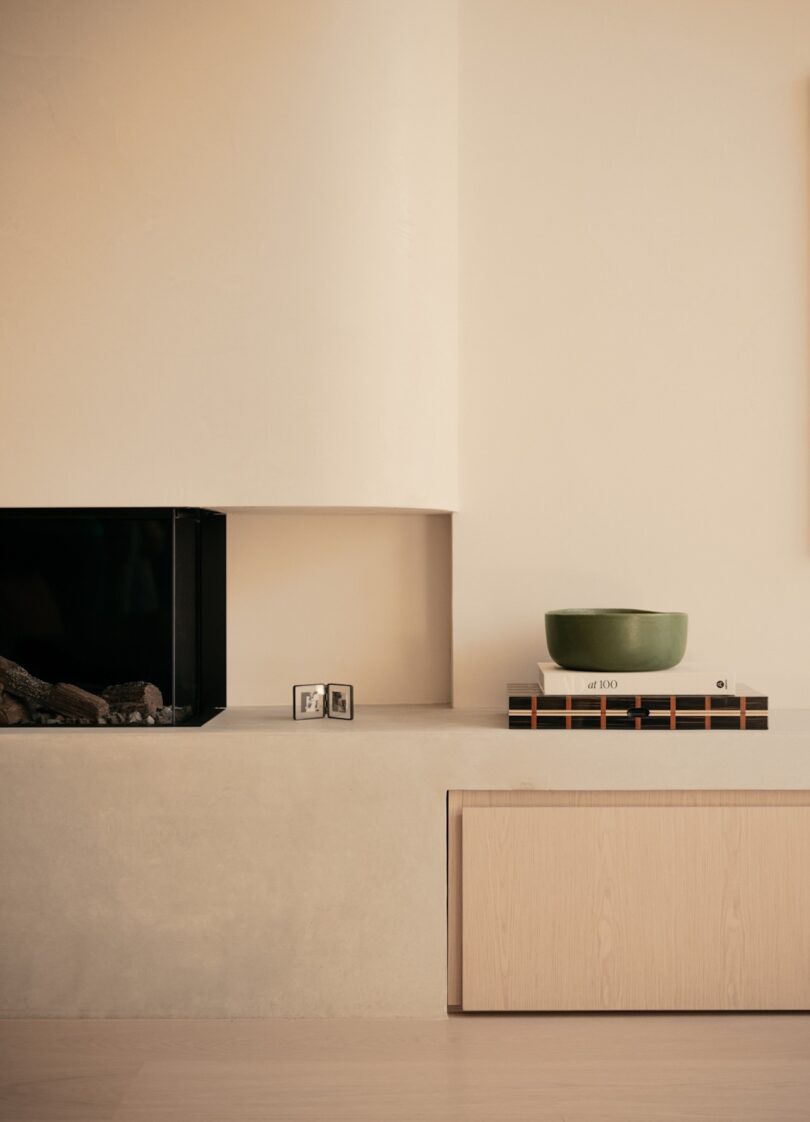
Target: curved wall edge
[(231, 263)]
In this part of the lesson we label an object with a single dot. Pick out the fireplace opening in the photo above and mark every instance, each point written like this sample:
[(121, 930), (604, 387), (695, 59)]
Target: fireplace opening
[(111, 616)]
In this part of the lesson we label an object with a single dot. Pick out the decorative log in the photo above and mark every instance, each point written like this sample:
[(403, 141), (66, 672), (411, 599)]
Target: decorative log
[(12, 712), (71, 701), (134, 697), (20, 683)]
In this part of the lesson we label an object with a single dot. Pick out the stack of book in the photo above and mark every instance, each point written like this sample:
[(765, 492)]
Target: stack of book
[(682, 698)]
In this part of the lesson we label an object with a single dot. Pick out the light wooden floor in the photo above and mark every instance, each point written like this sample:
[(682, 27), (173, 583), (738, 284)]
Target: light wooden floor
[(465, 1069)]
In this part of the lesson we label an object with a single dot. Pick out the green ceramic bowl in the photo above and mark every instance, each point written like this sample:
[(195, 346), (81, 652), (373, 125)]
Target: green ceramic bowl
[(616, 638)]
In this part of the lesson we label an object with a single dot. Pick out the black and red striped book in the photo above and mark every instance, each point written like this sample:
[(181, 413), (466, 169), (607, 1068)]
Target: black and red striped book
[(529, 708)]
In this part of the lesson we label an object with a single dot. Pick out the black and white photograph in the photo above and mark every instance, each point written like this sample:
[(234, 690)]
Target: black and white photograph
[(340, 701), (309, 701)]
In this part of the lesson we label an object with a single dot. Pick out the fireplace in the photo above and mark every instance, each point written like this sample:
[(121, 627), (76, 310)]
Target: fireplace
[(111, 616)]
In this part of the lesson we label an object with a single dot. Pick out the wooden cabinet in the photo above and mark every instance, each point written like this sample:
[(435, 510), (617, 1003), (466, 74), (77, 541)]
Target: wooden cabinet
[(629, 900)]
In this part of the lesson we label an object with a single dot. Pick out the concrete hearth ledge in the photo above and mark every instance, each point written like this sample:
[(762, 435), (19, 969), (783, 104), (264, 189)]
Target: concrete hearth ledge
[(408, 719), (441, 719), (263, 867)]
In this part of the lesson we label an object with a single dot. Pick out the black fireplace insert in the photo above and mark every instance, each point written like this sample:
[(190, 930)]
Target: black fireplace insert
[(111, 616)]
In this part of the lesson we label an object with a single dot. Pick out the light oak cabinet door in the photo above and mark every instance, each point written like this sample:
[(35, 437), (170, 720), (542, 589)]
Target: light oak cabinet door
[(625, 906)]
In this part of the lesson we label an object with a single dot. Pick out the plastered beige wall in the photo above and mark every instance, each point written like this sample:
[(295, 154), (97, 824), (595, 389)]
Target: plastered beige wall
[(634, 328), (230, 250), (229, 253), (360, 598)]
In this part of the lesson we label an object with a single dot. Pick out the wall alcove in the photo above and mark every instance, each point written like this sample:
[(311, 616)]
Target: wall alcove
[(361, 597)]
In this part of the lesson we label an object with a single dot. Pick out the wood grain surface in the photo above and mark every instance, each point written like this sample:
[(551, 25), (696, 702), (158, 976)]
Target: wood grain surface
[(457, 800), (460, 1069), (454, 891), (634, 907)]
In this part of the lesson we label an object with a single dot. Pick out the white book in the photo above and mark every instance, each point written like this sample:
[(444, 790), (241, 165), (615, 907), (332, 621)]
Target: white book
[(681, 679)]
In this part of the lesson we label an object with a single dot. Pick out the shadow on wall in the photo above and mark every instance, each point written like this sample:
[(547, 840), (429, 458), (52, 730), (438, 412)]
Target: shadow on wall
[(806, 152)]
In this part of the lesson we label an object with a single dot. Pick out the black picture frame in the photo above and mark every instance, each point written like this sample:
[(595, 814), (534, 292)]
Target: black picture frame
[(309, 701), (340, 701)]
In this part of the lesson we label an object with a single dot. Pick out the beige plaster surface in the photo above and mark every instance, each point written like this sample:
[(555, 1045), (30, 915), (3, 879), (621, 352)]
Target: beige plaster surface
[(633, 300), (230, 266), (260, 867), (326, 597), (232, 277)]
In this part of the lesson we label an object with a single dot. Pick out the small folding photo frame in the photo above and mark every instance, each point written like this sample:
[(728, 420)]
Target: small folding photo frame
[(315, 700)]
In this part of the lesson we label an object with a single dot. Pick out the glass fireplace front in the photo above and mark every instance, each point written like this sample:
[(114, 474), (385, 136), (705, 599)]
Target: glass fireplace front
[(111, 617)]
